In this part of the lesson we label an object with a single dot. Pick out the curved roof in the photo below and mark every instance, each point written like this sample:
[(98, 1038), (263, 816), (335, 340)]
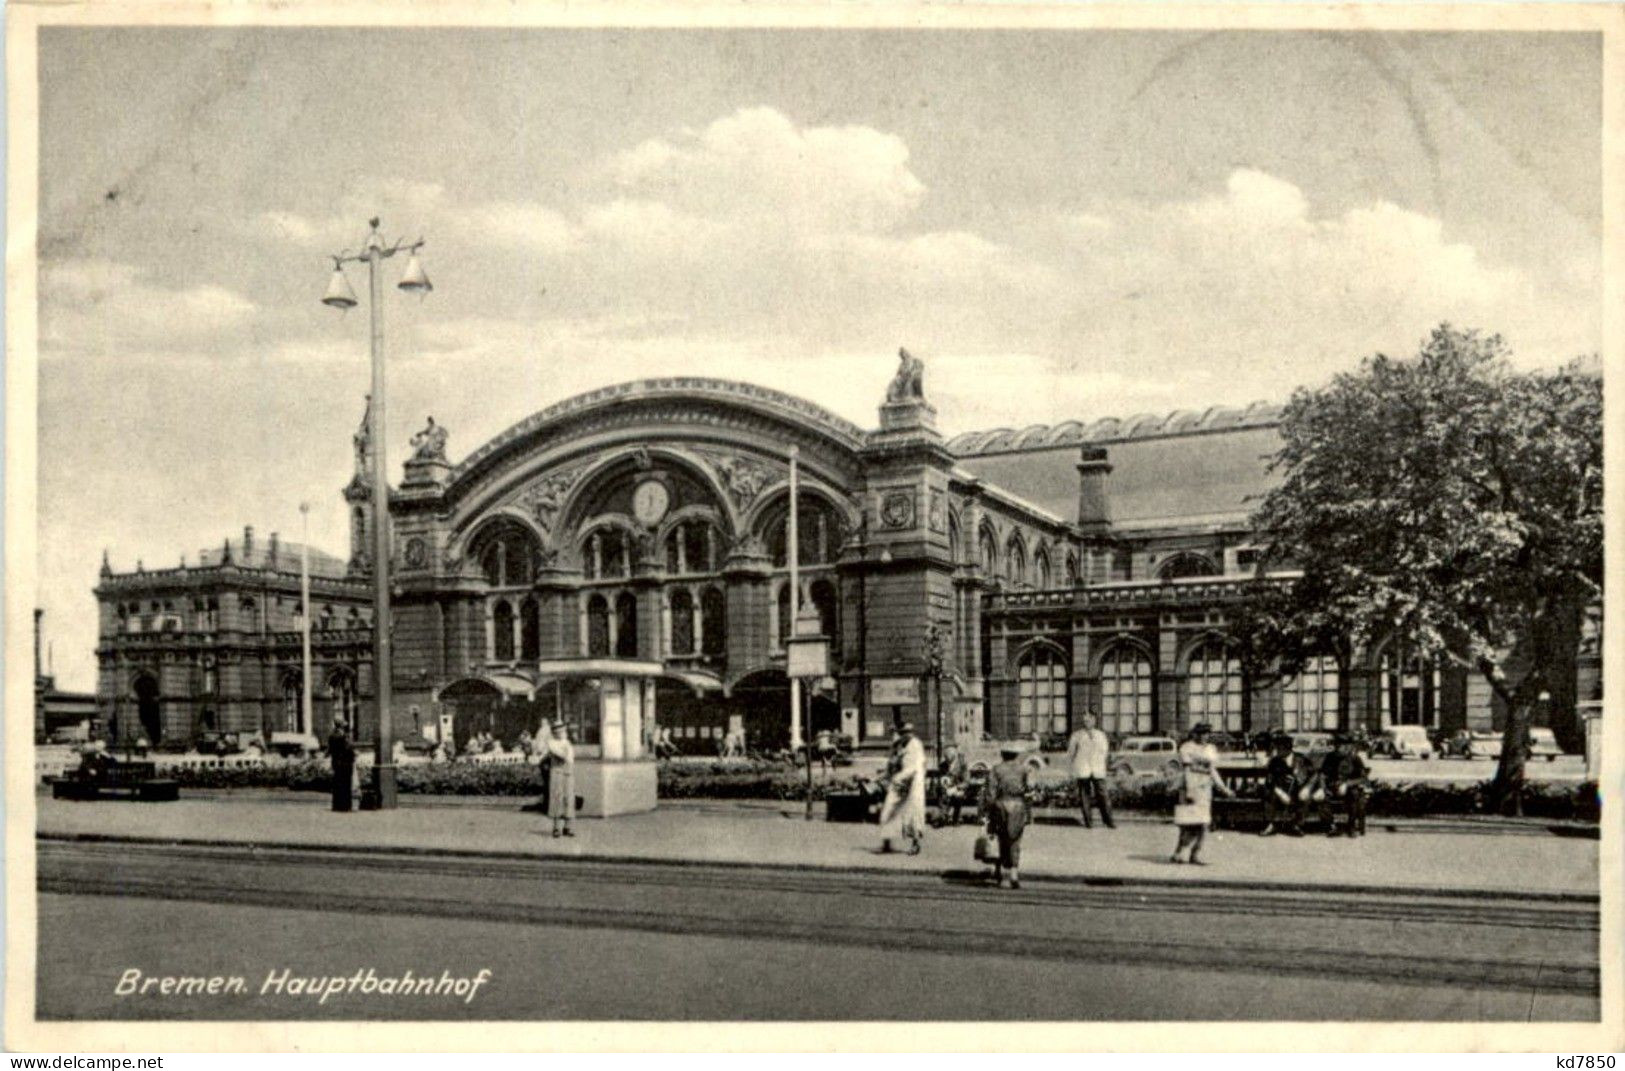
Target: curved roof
[(1114, 429), (777, 403)]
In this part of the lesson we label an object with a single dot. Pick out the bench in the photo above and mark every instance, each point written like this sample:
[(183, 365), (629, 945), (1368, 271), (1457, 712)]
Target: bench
[(1246, 808), (128, 780)]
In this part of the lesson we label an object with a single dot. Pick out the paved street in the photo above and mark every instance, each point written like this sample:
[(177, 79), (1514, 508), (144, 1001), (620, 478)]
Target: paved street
[(584, 938)]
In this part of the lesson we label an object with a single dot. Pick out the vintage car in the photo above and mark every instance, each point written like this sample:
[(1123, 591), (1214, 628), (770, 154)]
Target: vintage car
[(1543, 743), (1313, 744), (1145, 756), (1402, 742), (985, 753), (1467, 744)]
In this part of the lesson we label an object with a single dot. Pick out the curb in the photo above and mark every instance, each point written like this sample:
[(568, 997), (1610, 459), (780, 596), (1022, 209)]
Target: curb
[(1098, 881)]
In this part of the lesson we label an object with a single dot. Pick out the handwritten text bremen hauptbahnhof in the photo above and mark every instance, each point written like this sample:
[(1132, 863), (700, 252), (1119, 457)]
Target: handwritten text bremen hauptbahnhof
[(320, 988)]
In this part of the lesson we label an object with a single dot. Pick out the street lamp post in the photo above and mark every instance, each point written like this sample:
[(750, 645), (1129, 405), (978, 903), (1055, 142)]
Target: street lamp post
[(340, 296)]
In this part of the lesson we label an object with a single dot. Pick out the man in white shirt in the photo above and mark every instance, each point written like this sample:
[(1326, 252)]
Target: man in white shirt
[(1087, 755)]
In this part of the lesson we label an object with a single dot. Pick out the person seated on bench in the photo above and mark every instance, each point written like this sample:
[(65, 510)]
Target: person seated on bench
[(1345, 778), (1287, 781)]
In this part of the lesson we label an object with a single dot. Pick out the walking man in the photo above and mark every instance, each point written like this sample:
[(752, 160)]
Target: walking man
[(341, 753), (1087, 754)]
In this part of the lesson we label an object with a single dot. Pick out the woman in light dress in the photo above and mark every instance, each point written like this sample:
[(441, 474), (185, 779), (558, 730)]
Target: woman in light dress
[(903, 813), (1199, 776), (561, 780)]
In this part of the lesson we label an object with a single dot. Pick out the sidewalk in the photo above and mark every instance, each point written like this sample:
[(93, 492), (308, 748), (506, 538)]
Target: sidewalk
[(1419, 860)]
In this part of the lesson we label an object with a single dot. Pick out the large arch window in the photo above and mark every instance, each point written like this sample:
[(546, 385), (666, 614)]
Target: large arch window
[(824, 600), (988, 551), (1410, 688), (818, 530), (1214, 691), (341, 687), (293, 692), (713, 621), (1185, 565), (626, 625), (1041, 570), (598, 627), (507, 554), (682, 622), (693, 547), (606, 554), (530, 628), (1309, 700), (1127, 701), (1015, 561), (502, 631), (1041, 692)]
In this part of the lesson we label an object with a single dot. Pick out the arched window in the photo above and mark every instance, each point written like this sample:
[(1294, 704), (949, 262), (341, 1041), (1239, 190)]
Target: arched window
[(605, 555), (953, 539), (325, 622), (1126, 696), (1041, 692), (682, 622), (818, 529), (1015, 561), (341, 686), (1410, 689), (1309, 700), (293, 692), (1071, 570), (1214, 687), (1041, 573), (502, 631), (598, 627), (988, 552), (530, 629), (692, 547), (626, 625), (822, 595), (1185, 565), (352, 620), (713, 621), (785, 615), (507, 553)]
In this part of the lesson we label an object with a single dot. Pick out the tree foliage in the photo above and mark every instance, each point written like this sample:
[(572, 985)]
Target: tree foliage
[(1446, 500)]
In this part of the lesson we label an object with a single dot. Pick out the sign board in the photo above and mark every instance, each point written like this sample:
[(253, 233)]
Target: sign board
[(894, 691), (807, 658)]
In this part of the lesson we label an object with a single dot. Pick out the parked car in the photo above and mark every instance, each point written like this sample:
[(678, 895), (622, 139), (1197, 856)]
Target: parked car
[(983, 755), (1467, 744), (1543, 742), (1145, 756), (1403, 742)]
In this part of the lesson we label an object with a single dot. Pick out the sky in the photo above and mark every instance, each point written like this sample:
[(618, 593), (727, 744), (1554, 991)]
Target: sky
[(1061, 224)]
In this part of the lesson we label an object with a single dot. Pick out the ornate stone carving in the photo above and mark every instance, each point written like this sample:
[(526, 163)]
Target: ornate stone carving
[(544, 498), (749, 545), (416, 554), (937, 514), (897, 509), (742, 477), (430, 443)]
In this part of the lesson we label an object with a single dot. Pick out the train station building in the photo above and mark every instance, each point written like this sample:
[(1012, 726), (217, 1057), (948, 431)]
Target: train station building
[(626, 552)]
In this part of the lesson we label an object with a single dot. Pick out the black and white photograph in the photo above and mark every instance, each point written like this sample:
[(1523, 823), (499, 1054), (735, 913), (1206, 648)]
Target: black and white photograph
[(783, 516)]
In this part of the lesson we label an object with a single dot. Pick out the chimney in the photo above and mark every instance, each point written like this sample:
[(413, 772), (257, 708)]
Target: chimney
[(248, 544), (273, 550), (1093, 468)]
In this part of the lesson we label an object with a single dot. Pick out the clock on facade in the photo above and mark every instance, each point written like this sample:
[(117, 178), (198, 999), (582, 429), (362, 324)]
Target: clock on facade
[(649, 502)]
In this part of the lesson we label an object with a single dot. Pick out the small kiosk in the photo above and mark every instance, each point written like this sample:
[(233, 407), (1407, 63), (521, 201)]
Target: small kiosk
[(609, 704)]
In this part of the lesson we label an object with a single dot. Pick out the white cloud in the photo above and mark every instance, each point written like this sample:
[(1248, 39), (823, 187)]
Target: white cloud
[(96, 305)]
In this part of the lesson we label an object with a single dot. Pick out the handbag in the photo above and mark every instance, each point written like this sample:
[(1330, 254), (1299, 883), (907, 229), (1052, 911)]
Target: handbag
[(983, 851)]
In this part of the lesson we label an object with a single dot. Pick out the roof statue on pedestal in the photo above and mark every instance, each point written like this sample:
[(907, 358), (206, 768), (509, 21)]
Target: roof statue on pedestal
[(362, 440), (430, 443), (908, 384)]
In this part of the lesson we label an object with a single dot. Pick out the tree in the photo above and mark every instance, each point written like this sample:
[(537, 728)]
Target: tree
[(1447, 501)]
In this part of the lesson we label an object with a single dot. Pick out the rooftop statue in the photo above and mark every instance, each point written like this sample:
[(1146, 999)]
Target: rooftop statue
[(908, 384), (430, 443)]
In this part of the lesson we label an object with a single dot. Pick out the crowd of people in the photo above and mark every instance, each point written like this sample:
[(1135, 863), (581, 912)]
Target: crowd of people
[(1295, 785)]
